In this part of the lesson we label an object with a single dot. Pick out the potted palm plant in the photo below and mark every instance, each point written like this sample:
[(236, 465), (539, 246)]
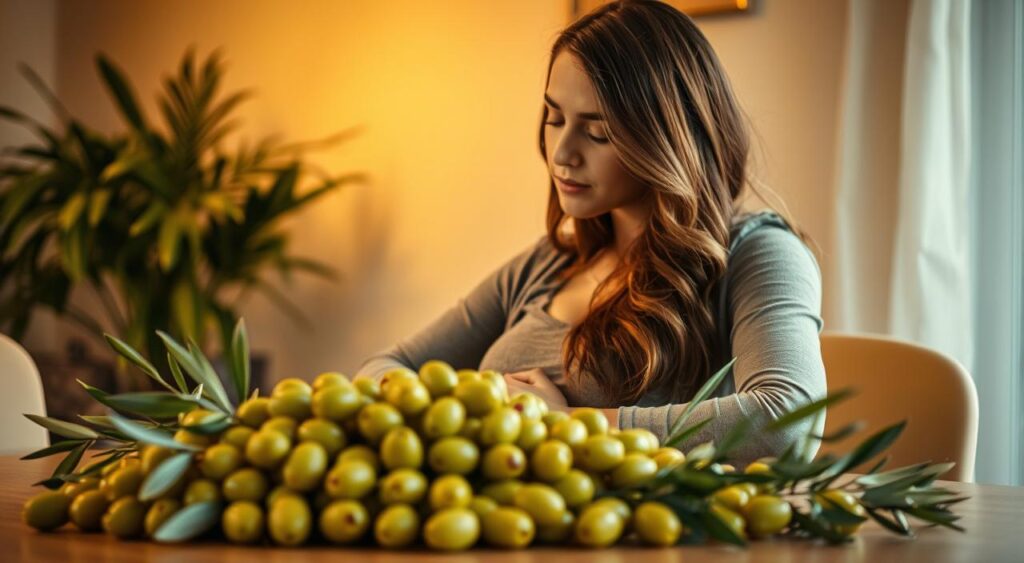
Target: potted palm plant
[(167, 226)]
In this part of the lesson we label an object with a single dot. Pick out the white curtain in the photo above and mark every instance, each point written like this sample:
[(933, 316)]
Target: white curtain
[(928, 204)]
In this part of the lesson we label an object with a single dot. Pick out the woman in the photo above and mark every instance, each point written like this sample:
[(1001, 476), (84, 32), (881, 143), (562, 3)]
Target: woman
[(648, 280)]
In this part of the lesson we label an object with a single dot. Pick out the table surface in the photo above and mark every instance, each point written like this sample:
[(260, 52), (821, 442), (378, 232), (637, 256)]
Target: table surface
[(993, 517)]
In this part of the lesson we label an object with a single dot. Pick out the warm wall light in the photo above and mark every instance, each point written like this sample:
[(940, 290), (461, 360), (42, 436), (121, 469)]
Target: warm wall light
[(688, 7)]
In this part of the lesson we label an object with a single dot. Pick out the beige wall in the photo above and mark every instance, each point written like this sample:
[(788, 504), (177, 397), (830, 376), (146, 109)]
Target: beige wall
[(450, 99)]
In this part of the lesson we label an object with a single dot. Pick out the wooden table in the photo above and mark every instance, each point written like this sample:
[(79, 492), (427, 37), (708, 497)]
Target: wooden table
[(994, 518)]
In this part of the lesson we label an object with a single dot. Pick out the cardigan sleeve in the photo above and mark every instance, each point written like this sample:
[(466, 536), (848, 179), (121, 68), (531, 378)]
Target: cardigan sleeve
[(775, 306)]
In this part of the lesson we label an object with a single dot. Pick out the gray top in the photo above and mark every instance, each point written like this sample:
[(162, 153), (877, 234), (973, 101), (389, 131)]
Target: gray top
[(770, 307)]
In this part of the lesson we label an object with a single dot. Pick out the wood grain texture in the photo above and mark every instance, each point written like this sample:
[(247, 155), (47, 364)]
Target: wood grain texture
[(992, 516)]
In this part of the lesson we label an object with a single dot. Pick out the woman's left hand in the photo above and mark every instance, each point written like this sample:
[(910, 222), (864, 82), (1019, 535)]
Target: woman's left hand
[(537, 383)]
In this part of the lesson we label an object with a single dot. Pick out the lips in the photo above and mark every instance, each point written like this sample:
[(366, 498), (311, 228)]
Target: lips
[(569, 187), (572, 183)]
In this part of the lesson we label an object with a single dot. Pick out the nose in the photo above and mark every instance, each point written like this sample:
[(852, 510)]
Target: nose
[(566, 152)]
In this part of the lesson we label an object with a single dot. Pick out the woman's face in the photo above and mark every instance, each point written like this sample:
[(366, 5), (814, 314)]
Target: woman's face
[(578, 149)]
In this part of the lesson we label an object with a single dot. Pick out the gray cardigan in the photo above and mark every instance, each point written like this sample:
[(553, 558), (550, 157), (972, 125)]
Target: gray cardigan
[(770, 308)]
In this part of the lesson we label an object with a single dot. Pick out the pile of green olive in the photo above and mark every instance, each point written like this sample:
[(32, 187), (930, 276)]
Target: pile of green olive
[(442, 457)]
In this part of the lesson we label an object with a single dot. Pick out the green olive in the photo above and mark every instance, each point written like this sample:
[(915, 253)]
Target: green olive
[(450, 491), (74, 488), (498, 380), (443, 418), (295, 403), (254, 412), (479, 396), (219, 460), (305, 467), (503, 492), (344, 521), (397, 525), (618, 505), (367, 386), (731, 520), (733, 497), (201, 490), (508, 527), (470, 428), (551, 461), (503, 461), (87, 510), (542, 502), (237, 436), (125, 518), (559, 533), (639, 440), (599, 525), (395, 375), (267, 449), (635, 469), (409, 396), (291, 384), (439, 378), (576, 487), (46, 511), (376, 419), (330, 379), (362, 452), (289, 520), (595, 420), (401, 447), (195, 417), (337, 403), (657, 524), (403, 486), (767, 515), (571, 431), (553, 417), (158, 513), (453, 454), (463, 374), (247, 484), (501, 426), (284, 424), (122, 482), (350, 479), (452, 529), (324, 432), (668, 456), (242, 522), (528, 405), (600, 453), (482, 505), (532, 434)]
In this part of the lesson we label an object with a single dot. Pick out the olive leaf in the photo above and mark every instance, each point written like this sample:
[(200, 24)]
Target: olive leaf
[(148, 435), (709, 386), (151, 404), (189, 522), (62, 428), (212, 387), (57, 448), (136, 358), (240, 359), (165, 476)]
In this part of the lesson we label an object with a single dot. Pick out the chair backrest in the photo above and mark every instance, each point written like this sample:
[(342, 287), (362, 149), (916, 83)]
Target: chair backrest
[(22, 393), (896, 380)]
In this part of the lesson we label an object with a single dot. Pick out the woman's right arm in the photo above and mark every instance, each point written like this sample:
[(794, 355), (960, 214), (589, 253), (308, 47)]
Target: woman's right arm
[(462, 334)]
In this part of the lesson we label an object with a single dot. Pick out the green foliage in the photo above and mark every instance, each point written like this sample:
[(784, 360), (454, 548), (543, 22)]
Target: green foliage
[(167, 227)]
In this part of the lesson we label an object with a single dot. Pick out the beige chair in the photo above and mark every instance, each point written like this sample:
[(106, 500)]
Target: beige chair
[(21, 392), (895, 380)]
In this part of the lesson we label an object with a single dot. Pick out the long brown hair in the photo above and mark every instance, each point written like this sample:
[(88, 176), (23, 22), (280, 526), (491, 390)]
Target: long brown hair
[(675, 124)]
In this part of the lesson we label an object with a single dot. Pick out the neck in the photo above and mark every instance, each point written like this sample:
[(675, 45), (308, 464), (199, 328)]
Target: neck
[(628, 223)]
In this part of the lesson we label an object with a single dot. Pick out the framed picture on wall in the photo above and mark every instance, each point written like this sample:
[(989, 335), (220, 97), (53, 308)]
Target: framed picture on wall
[(688, 7)]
